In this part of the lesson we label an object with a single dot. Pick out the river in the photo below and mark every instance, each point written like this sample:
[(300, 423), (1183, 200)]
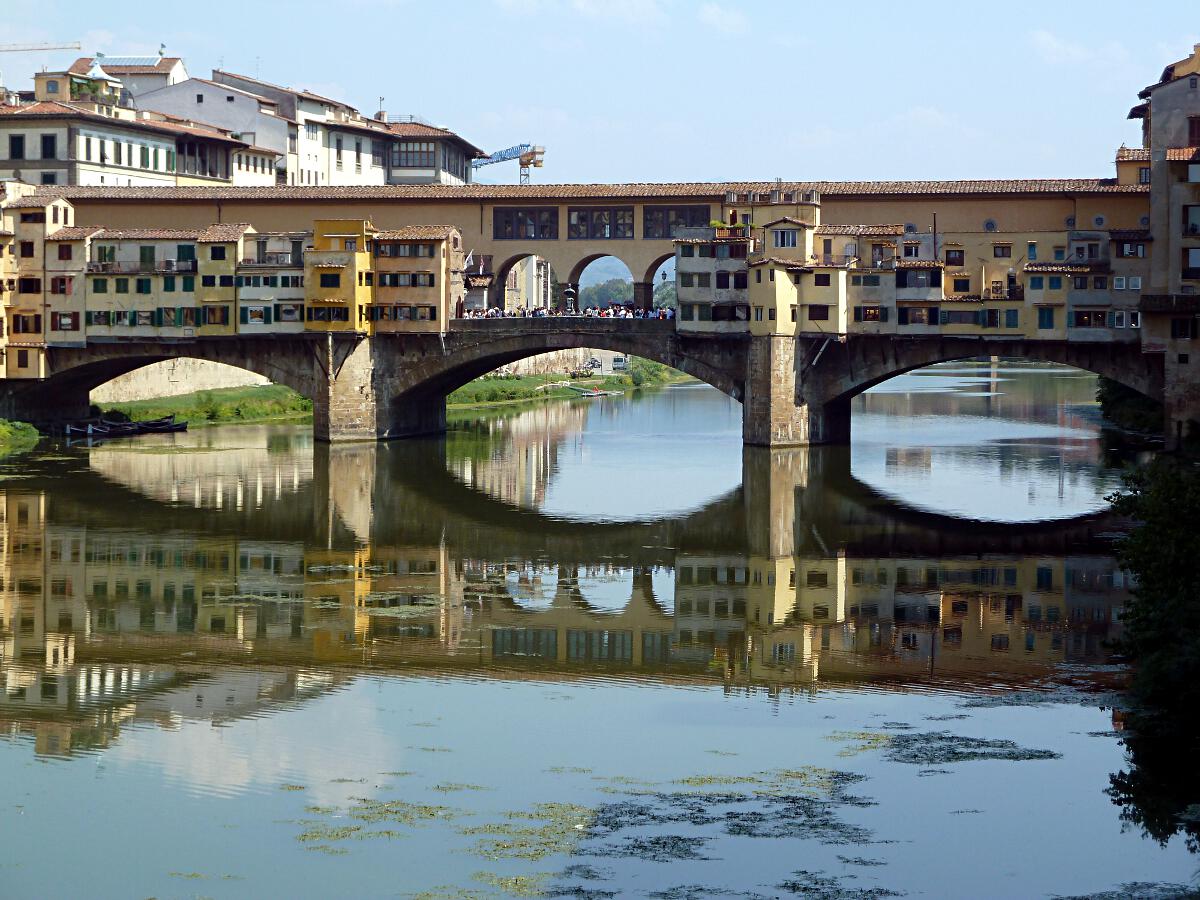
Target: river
[(588, 649)]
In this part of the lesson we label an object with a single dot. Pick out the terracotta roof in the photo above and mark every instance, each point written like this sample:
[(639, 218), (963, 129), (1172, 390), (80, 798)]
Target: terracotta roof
[(221, 234), (421, 130), (29, 201), (1183, 154), (777, 261), (700, 192), (861, 230), (162, 67), (790, 221), (307, 95), (149, 234), (1065, 268), (920, 264), (1133, 154), (75, 233), (1131, 234), (57, 108), (416, 233)]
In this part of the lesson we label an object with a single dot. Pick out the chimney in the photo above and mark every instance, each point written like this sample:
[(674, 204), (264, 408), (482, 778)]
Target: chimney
[(381, 115)]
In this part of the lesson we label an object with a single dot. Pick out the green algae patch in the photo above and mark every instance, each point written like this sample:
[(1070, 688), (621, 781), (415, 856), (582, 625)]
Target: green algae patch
[(516, 885), (454, 787), (710, 780), (292, 787), (862, 741), (400, 812), (327, 833), (549, 829)]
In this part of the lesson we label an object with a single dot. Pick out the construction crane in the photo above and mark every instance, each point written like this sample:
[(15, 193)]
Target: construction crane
[(28, 48), (529, 157), (22, 48)]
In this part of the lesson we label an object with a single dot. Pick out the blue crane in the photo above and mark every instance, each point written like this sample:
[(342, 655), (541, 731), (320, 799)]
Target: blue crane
[(529, 156)]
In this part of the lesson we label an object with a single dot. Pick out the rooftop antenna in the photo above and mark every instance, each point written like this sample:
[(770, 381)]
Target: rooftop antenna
[(162, 50)]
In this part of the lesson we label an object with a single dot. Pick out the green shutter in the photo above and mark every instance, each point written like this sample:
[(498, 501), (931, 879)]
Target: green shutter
[(168, 284), (883, 314), (156, 318), (267, 315), (245, 316), (858, 314)]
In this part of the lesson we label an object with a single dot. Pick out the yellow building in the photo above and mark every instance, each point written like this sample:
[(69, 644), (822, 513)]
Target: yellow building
[(339, 276)]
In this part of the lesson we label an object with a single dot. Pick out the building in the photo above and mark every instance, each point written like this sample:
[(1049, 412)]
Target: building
[(418, 278), (138, 74)]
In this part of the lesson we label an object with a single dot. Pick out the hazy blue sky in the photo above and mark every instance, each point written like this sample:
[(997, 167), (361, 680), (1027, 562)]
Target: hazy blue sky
[(671, 90)]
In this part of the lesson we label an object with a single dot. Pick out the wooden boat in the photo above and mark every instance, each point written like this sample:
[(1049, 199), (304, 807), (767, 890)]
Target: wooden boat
[(107, 428)]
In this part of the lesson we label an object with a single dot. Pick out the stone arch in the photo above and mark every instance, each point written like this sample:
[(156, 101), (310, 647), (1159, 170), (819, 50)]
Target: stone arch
[(578, 269), (655, 265), (74, 372), (865, 362)]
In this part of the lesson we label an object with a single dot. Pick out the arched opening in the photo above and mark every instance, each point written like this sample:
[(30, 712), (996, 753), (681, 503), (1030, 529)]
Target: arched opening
[(173, 378), (661, 275), (522, 282), (991, 438)]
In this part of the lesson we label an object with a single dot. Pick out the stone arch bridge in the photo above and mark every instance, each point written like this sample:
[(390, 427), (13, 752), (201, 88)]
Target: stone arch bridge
[(794, 390)]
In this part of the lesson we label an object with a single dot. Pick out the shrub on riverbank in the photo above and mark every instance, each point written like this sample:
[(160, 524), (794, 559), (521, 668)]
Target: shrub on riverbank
[(1160, 791), (16, 437), (1127, 408), (245, 404)]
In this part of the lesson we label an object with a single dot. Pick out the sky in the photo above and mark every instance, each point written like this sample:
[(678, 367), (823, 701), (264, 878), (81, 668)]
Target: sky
[(675, 90)]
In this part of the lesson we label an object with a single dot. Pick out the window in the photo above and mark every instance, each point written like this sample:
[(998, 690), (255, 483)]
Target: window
[(758, 313), (1118, 282), (64, 321), (52, 87), (1012, 318), (1144, 175), (962, 285), (530, 223), (601, 223), (1045, 318), (168, 284), (199, 98), (1088, 318), (414, 155), (1079, 283), (785, 237), (1100, 283), (1118, 318), (1037, 282), (208, 281), (1194, 131), (1060, 253), (1002, 251), (49, 146), (722, 280), (703, 279), (1183, 329), (143, 285), (99, 285), (870, 314), (739, 280), (122, 285), (65, 251), (48, 178), (1031, 251), (917, 315), (687, 250), (912, 251), (29, 285), (822, 279), (1055, 283), (956, 257), (1131, 249), (216, 252), (661, 221), (214, 315), (331, 280), (1135, 319), (225, 280), (1135, 282), (818, 313), (16, 146), (337, 151), (686, 279)]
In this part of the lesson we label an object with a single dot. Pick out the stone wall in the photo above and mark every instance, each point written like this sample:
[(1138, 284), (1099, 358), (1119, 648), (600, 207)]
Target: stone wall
[(173, 377)]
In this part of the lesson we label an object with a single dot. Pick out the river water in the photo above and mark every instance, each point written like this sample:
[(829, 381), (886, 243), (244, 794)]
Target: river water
[(588, 650)]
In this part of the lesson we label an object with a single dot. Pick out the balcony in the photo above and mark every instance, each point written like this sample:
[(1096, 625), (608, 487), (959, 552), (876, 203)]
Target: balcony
[(275, 258), (832, 259), (169, 266), (726, 232), (878, 262)]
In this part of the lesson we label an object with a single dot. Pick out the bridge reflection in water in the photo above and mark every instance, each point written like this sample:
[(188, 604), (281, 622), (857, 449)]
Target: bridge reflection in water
[(147, 586)]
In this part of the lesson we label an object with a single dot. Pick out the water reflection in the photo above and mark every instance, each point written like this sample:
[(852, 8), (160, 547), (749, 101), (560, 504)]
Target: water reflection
[(141, 584)]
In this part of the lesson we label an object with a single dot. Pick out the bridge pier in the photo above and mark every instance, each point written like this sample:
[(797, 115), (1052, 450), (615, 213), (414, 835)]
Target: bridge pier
[(780, 408)]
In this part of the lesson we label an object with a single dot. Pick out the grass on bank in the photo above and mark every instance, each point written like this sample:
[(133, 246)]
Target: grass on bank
[(245, 404), (16, 437), (275, 402)]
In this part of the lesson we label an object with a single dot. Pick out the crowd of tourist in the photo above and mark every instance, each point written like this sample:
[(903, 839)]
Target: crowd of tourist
[(615, 311)]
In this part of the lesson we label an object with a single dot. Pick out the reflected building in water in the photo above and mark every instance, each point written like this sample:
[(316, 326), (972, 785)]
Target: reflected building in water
[(120, 607)]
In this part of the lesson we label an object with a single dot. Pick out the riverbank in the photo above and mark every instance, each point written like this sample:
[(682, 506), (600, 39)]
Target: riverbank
[(16, 437), (274, 402), (263, 403)]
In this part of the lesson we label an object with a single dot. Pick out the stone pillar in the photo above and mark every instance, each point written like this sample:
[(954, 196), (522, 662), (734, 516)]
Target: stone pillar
[(643, 295), (1181, 402), (770, 479), (780, 407)]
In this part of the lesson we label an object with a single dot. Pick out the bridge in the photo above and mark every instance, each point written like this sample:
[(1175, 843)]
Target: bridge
[(794, 390)]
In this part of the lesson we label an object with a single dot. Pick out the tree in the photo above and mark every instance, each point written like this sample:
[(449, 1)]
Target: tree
[(606, 293), (664, 294)]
